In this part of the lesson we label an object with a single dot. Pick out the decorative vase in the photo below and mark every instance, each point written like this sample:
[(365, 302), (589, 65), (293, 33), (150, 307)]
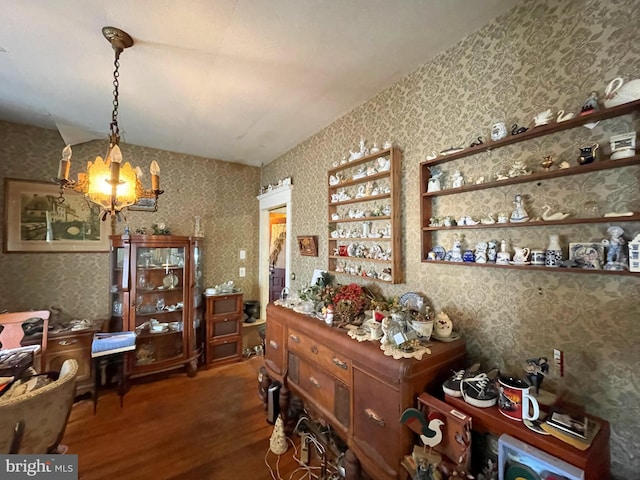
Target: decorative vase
[(553, 254), (442, 326)]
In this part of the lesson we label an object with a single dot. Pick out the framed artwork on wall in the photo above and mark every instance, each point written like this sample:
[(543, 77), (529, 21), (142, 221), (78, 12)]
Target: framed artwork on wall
[(308, 246), (36, 221), (145, 205)]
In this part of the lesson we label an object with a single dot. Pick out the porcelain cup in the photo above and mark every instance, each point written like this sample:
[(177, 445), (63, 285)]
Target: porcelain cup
[(537, 257), (515, 400), (503, 258)]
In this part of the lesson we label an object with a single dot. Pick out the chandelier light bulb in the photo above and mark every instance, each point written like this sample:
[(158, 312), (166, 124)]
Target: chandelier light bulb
[(155, 168), (138, 171), (65, 163), (115, 155)]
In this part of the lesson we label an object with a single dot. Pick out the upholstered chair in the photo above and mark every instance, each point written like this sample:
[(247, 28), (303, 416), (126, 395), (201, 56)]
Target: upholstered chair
[(34, 422)]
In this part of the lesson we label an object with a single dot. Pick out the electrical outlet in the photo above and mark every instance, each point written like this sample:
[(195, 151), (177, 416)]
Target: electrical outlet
[(558, 359), (243, 254), (242, 272)]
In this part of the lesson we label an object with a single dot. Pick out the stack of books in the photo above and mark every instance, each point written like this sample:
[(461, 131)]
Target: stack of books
[(572, 427), (112, 342)]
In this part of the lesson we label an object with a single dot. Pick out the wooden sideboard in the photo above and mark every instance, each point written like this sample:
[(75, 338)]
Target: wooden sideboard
[(354, 386)]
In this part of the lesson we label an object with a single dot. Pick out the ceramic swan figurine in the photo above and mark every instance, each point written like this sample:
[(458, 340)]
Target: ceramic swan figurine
[(553, 216), (563, 117)]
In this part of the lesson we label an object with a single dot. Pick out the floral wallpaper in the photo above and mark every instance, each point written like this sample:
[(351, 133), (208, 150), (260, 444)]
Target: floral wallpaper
[(543, 54), (223, 194)]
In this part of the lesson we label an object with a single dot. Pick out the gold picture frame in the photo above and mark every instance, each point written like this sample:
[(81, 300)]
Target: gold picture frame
[(35, 221), (308, 245)]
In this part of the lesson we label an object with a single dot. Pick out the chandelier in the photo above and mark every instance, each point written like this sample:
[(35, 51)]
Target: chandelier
[(109, 183)]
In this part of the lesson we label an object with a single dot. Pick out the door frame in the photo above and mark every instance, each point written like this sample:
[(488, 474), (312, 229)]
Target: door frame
[(280, 197)]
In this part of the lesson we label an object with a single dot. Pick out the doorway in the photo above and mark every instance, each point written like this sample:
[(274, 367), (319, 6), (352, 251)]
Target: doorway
[(277, 202), (277, 252)]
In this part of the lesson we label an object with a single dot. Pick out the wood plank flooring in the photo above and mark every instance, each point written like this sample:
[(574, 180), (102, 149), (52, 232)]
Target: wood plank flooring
[(212, 426)]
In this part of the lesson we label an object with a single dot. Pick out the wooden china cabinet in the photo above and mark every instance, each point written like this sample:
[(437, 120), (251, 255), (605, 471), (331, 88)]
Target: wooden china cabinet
[(156, 291)]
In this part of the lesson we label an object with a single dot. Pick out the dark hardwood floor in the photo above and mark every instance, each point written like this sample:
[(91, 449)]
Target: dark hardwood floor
[(212, 426)]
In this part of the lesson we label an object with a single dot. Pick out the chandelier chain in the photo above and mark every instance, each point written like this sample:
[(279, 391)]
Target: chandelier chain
[(114, 130)]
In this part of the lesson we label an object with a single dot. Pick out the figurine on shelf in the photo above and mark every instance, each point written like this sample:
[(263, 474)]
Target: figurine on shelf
[(492, 251), (518, 168), (590, 105), (457, 179), (616, 258), (476, 143), (536, 369), (434, 182), (481, 252), (519, 214), (515, 130), (455, 254)]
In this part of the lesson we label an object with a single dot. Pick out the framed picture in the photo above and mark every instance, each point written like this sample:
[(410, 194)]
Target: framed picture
[(587, 254), (308, 246), (145, 205), (36, 221)]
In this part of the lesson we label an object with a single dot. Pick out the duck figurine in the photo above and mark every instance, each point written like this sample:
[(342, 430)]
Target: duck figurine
[(490, 220), (554, 216)]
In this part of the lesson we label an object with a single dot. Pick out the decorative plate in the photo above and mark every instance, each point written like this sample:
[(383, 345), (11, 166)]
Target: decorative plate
[(170, 281), (412, 301), (452, 338), (440, 252)]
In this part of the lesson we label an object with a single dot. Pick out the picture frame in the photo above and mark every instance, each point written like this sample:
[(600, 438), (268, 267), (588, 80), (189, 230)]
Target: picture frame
[(587, 254), (35, 221), (308, 245), (145, 205)]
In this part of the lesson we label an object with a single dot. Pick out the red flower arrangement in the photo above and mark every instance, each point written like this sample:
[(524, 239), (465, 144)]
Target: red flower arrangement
[(350, 301)]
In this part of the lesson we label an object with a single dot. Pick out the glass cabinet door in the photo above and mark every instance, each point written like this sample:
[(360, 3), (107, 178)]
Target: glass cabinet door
[(159, 289), (119, 287), (197, 340)]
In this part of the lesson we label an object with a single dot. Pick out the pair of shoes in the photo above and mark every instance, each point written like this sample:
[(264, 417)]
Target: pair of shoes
[(451, 385), (481, 390)]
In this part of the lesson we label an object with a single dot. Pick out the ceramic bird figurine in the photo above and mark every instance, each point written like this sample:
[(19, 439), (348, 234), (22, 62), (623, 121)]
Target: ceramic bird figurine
[(430, 431), (554, 216)]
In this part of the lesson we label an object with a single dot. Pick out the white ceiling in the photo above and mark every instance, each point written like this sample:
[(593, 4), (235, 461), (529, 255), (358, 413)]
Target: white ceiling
[(237, 80)]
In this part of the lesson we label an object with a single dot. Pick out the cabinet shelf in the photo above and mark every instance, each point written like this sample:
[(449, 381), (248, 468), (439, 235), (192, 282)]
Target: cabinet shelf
[(535, 132), (356, 181), (363, 219), (393, 241), (373, 279), (538, 268), (361, 259), (426, 200), (567, 221), (362, 239), (158, 312), (563, 172), (368, 198)]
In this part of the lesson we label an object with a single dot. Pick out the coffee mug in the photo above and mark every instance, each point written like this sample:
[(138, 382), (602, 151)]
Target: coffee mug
[(515, 400), (537, 257)]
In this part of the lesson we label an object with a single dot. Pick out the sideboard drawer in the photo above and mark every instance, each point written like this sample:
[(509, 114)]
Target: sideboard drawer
[(323, 356), (376, 417)]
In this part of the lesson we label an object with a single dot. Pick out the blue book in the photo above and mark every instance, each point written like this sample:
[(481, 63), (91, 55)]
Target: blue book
[(112, 342)]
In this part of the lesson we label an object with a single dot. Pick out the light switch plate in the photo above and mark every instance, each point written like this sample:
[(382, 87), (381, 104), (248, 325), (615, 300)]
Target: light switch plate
[(242, 272), (243, 254)]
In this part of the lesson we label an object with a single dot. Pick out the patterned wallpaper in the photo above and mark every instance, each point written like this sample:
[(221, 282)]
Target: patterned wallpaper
[(543, 54), (222, 193)]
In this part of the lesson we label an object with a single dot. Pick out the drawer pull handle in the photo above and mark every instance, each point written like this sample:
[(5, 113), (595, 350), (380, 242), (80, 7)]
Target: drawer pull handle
[(64, 343), (314, 382), (226, 319), (374, 417), (340, 363), (314, 350), (294, 338), (274, 344)]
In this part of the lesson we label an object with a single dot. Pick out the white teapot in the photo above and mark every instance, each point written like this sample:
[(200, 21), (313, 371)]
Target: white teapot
[(521, 254), (618, 92)]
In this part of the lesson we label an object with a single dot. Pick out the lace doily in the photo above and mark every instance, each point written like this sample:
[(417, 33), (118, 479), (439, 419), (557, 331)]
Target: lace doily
[(397, 353), (360, 335)]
